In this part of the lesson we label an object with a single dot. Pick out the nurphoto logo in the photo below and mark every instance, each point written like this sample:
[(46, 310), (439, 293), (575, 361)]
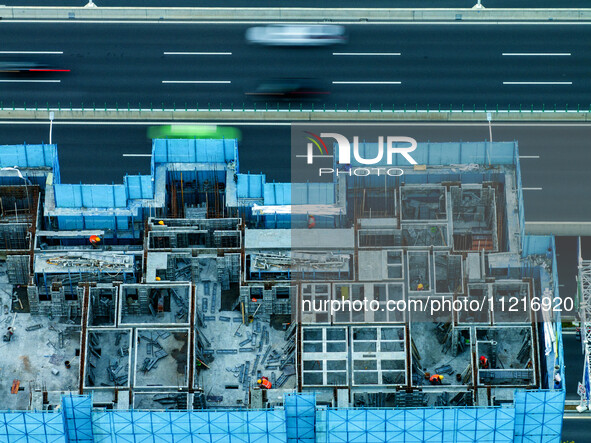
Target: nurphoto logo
[(317, 148)]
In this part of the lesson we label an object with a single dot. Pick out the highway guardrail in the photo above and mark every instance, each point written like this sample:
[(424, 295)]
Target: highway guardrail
[(293, 113), (299, 14)]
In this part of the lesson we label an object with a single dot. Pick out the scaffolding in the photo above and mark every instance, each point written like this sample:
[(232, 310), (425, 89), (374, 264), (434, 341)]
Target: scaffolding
[(585, 313)]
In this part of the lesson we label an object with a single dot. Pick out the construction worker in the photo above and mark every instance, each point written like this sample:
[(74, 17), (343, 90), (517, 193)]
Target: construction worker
[(264, 383), (161, 222), (158, 279), (95, 240), (420, 287), (311, 221), (436, 379), (483, 362), (9, 334)]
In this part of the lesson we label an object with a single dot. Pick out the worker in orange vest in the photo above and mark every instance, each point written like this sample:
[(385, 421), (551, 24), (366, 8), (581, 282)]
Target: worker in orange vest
[(95, 240), (436, 379), (264, 383), (483, 362)]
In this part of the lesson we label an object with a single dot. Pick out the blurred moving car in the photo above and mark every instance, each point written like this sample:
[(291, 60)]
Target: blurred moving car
[(194, 132), (20, 67), (297, 35), (290, 89)]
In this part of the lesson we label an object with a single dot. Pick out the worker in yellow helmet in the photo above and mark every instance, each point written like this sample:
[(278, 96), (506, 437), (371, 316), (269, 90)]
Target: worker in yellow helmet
[(264, 383), (161, 222), (94, 240), (436, 379), (420, 287)]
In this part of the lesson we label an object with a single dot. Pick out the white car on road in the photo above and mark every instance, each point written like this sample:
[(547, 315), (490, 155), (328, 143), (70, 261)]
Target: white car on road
[(297, 35)]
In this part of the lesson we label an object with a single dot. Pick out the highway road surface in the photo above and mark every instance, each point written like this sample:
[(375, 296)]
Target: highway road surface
[(554, 158), (390, 66)]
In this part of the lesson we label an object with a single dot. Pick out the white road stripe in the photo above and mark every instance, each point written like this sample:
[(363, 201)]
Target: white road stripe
[(531, 189), (197, 81), (32, 52), (365, 83), (367, 53), (30, 81), (537, 83), (137, 155), (197, 53), (537, 54), (529, 156)]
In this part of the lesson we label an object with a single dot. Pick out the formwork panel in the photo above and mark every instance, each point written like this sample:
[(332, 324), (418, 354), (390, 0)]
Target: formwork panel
[(157, 304), (324, 356), (108, 358), (378, 355), (161, 358)]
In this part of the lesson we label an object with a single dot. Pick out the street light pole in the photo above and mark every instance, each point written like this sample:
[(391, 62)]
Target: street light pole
[(489, 118), (51, 115)]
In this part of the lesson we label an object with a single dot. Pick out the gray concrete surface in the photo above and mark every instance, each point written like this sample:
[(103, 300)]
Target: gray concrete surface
[(264, 14)]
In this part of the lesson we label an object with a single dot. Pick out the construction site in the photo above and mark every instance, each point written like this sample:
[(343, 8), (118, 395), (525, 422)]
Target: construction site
[(233, 302)]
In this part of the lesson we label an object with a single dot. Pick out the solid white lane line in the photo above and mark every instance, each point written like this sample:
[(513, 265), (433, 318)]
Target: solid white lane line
[(197, 81), (531, 189), (529, 156), (137, 155), (32, 52), (197, 53), (365, 83), (30, 81), (537, 83), (368, 53), (537, 54)]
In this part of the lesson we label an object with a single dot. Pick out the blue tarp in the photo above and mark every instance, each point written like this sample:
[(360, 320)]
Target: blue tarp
[(538, 416), (190, 426)]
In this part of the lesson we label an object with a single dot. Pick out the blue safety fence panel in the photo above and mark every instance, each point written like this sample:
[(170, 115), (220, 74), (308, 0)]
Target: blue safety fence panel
[(312, 193), (456, 153), (77, 410), (425, 425), (28, 156), (300, 416), (538, 416), (250, 185), (537, 244), (190, 427), (277, 194), (90, 196), (139, 186), (29, 427), (194, 151)]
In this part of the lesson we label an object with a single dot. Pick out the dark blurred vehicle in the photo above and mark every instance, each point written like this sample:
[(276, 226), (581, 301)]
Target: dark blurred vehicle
[(296, 35), (290, 89), (26, 67)]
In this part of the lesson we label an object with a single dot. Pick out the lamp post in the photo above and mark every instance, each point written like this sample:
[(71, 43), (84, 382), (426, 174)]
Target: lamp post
[(51, 116)]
